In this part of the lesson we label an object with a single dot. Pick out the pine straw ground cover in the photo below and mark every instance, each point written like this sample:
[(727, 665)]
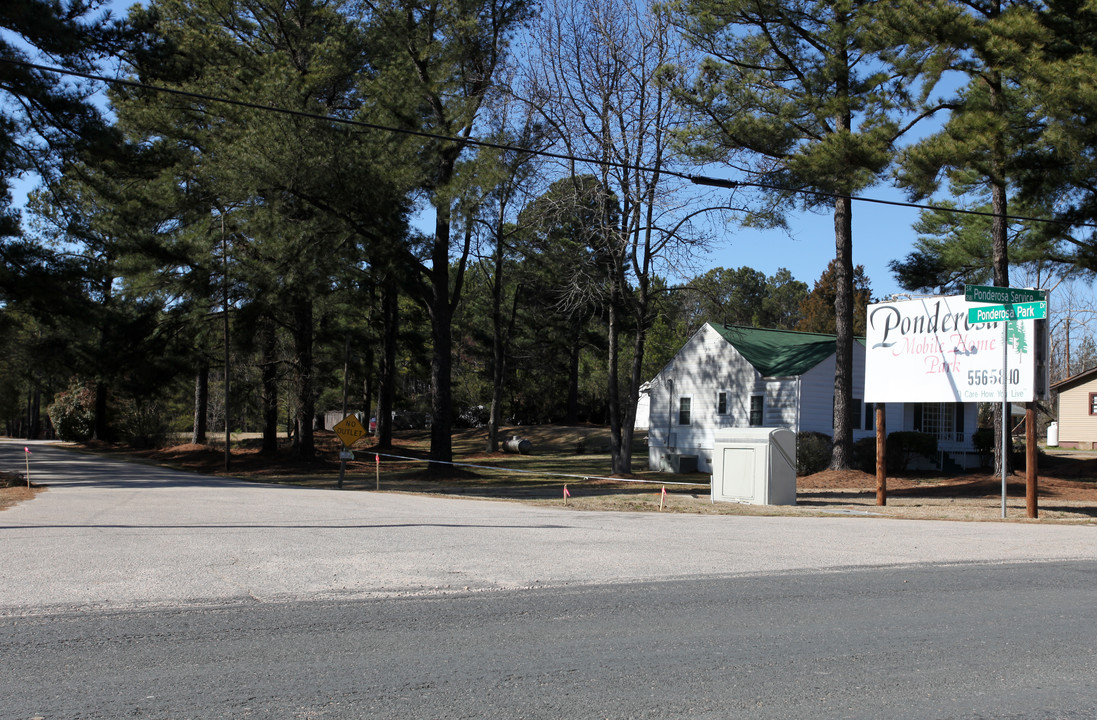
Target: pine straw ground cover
[(578, 456), (14, 489)]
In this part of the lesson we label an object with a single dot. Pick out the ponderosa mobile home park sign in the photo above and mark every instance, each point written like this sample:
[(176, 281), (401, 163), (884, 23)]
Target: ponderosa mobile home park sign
[(928, 350)]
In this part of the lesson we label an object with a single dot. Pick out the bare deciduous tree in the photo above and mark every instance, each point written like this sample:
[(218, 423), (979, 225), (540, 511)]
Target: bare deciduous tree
[(593, 75)]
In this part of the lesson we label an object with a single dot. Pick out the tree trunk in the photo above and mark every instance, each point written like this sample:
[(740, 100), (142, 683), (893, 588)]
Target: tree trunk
[(498, 354), (390, 321), (843, 296), (100, 426), (36, 413), (1000, 256), (500, 340), (201, 404), (441, 362), (269, 343), (306, 403), (843, 357), (573, 375), (621, 461), (628, 423), (1067, 349), (368, 385)]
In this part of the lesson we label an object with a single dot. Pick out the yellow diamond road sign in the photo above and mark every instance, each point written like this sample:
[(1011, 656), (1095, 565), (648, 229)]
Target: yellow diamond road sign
[(349, 430)]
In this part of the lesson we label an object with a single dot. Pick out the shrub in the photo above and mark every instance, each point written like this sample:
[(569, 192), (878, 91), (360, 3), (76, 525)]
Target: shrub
[(472, 416), (142, 424), (864, 455), (902, 447), (813, 450), (73, 412), (983, 441)]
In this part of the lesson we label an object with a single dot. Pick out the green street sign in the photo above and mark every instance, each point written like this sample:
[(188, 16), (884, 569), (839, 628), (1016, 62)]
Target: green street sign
[(1002, 295), (998, 313)]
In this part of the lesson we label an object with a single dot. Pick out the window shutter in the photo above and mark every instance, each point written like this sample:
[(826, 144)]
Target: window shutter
[(918, 417)]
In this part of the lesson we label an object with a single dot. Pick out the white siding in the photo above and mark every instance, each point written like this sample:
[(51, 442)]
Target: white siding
[(817, 398), (781, 402), (704, 366), (643, 410)]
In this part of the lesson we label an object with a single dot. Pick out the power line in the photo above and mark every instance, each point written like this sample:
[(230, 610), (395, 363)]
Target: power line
[(695, 179), (717, 182)]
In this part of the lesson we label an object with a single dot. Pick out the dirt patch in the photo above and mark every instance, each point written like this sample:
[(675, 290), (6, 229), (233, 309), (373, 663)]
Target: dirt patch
[(1066, 491), (14, 489), (1072, 480)]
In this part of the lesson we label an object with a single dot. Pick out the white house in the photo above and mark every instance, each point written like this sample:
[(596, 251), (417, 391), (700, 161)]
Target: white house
[(643, 407), (730, 376)]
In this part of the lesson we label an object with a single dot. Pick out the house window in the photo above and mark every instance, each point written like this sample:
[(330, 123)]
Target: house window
[(683, 410), (945, 421), (1093, 403), (722, 403), (855, 414), (756, 404)]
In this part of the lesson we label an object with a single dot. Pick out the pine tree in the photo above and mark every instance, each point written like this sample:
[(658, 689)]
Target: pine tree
[(437, 66), (47, 117), (1056, 168), (992, 120), (804, 95), (299, 203), (816, 309)]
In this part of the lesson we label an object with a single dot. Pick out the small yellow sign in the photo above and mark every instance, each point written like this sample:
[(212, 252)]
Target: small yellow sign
[(349, 430)]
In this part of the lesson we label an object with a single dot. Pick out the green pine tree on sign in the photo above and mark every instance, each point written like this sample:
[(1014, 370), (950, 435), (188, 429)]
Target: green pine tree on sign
[(1016, 337)]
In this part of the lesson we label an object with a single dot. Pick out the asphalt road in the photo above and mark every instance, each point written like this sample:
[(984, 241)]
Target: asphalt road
[(982, 641), (127, 591)]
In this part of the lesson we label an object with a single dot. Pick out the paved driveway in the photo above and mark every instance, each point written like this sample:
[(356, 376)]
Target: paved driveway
[(114, 534)]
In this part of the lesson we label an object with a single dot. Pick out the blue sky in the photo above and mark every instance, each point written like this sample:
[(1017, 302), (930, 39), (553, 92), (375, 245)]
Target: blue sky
[(880, 234)]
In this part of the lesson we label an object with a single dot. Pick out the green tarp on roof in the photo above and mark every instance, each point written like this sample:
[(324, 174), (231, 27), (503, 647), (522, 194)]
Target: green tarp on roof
[(778, 353)]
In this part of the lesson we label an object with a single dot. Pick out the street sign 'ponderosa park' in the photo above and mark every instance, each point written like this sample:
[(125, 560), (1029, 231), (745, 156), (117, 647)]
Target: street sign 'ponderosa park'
[(928, 350)]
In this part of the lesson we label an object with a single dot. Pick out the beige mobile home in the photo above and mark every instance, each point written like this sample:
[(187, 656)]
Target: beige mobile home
[(1078, 410)]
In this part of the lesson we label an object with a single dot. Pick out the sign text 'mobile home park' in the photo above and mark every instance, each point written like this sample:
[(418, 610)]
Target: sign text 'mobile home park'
[(929, 350)]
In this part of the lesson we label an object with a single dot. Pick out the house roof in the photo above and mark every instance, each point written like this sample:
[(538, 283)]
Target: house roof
[(778, 353), (1074, 380)]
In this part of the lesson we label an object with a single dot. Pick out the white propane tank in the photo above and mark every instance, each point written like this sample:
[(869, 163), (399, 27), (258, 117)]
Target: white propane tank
[(517, 445), (1053, 435)]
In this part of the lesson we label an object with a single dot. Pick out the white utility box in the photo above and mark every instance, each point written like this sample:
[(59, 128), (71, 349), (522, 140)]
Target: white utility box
[(756, 466)]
